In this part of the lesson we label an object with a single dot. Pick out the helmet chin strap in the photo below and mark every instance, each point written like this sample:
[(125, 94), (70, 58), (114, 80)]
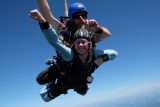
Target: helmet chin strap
[(90, 45)]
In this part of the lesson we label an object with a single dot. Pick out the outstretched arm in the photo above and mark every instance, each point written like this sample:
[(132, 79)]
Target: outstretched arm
[(52, 36), (104, 55), (47, 14), (54, 41)]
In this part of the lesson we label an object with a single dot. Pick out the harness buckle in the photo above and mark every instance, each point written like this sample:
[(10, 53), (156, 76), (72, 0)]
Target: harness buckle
[(89, 79)]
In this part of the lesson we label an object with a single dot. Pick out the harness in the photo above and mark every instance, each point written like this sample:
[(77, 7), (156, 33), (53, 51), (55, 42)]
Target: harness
[(74, 73)]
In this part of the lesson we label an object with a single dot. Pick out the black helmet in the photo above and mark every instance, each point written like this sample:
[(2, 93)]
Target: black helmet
[(82, 33)]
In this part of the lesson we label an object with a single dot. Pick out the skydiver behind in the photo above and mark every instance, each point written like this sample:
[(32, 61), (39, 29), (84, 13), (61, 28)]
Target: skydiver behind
[(78, 16)]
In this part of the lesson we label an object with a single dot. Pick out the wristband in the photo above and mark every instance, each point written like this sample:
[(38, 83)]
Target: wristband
[(44, 25)]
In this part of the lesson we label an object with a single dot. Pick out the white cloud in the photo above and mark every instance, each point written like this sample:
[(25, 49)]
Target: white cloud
[(115, 94), (93, 97)]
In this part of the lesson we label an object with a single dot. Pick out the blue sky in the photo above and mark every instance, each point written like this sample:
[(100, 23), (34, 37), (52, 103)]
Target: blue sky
[(135, 28)]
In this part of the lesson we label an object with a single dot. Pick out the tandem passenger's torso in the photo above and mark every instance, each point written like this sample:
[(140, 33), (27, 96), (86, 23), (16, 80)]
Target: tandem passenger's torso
[(76, 72)]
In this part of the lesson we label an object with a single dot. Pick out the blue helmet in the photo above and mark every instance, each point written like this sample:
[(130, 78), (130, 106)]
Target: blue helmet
[(75, 8)]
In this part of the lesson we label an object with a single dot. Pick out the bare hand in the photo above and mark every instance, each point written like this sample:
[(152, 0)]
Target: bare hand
[(91, 24), (35, 14)]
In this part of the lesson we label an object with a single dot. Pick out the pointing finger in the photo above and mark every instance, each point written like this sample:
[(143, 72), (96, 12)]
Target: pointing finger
[(85, 22)]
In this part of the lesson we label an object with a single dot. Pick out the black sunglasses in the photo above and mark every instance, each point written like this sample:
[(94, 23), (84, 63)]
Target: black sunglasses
[(77, 16)]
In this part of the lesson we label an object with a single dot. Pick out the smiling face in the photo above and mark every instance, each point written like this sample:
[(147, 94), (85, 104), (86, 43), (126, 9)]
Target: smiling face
[(82, 46)]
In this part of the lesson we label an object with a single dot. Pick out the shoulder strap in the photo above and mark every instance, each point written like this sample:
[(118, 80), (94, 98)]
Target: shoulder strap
[(90, 64)]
